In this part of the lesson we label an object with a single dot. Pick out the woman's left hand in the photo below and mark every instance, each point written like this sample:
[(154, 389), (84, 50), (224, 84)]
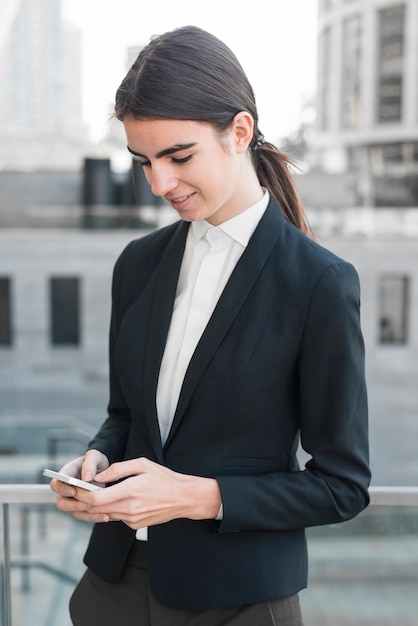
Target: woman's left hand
[(149, 494)]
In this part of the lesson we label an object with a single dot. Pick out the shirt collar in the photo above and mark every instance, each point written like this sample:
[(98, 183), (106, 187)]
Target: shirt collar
[(240, 227)]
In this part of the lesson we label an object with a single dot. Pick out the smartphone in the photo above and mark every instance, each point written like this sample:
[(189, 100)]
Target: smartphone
[(76, 482)]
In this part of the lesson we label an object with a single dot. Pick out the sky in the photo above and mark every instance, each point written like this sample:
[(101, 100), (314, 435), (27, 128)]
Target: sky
[(274, 40)]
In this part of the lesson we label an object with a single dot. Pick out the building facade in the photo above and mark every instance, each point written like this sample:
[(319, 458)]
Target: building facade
[(367, 97)]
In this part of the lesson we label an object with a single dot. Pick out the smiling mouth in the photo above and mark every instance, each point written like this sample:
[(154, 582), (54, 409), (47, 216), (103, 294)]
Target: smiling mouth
[(181, 201)]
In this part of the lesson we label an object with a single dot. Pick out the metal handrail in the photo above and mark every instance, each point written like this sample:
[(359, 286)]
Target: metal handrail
[(393, 496), (26, 494), (42, 494)]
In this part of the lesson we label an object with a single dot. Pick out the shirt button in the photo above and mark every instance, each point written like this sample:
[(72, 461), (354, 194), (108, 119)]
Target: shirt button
[(212, 236)]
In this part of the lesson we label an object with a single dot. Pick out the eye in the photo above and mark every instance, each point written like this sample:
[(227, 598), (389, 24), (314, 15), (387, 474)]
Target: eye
[(138, 161), (182, 160)]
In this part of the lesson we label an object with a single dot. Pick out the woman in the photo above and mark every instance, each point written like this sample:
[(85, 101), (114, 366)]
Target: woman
[(233, 334)]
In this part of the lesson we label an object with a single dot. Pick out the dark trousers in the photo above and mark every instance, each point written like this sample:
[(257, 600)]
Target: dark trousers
[(131, 602)]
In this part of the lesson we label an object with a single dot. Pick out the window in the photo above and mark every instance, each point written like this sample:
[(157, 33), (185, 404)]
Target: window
[(5, 312), (65, 311), (351, 85), (391, 51), (394, 167), (393, 308)]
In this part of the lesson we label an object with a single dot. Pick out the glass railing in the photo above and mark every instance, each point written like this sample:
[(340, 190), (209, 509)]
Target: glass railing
[(365, 572), (362, 573), (40, 557)]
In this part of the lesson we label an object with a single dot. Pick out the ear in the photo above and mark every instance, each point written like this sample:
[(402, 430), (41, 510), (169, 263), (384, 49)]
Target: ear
[(242, 131)]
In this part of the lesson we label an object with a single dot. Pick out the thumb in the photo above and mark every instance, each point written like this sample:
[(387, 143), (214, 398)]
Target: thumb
[(123, 469)]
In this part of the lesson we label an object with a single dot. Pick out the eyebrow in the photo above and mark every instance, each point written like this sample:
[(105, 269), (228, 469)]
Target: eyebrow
[(176, 148)]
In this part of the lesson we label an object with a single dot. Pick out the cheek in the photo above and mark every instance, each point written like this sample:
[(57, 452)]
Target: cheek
[(219, 169), (222, 178)]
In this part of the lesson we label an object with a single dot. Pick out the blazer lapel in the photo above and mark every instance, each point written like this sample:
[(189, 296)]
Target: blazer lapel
[(161, 310), (233, 297)]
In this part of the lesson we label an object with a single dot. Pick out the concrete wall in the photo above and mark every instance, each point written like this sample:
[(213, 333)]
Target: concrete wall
[(36, 377)]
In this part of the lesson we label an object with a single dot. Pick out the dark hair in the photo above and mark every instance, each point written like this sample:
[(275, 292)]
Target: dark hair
[(189, 74)]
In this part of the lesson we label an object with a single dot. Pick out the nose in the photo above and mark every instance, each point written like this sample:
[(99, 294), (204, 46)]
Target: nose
[(161, 179)]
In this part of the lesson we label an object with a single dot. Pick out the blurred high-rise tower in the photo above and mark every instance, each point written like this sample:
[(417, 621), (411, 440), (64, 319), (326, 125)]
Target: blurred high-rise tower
[(40, 70)]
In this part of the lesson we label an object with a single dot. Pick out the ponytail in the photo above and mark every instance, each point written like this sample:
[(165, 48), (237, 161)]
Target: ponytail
[(273, 169)]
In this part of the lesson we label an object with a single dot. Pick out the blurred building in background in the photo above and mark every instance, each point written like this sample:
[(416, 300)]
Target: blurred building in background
[(40, 68), (40, 109), (51, 173), (367, 98)]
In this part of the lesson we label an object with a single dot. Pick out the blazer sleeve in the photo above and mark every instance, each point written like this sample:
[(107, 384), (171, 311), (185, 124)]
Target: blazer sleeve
[(333, 486)]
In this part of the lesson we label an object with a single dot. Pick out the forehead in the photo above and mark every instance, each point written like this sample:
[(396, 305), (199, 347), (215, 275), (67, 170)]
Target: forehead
[(160, 134)]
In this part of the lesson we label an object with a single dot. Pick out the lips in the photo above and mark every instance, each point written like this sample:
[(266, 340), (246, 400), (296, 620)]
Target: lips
[(180, 202)]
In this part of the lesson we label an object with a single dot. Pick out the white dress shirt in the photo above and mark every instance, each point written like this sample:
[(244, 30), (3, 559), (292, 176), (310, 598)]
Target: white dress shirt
[(211, 254)]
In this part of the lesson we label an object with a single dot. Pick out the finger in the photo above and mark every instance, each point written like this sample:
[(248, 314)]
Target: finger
[(91, 463), (82, 510), (108, 499), (123, 469), (71, 504), (73, 468), (95, 518), (62, 489)]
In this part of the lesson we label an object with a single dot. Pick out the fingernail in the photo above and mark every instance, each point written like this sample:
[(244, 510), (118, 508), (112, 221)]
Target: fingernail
[(70, 492)]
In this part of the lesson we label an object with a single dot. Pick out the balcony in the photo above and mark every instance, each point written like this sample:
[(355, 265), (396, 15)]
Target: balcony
[(362, 573)]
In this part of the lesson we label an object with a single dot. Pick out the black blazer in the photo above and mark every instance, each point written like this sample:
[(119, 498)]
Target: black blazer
[(281, 356)]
